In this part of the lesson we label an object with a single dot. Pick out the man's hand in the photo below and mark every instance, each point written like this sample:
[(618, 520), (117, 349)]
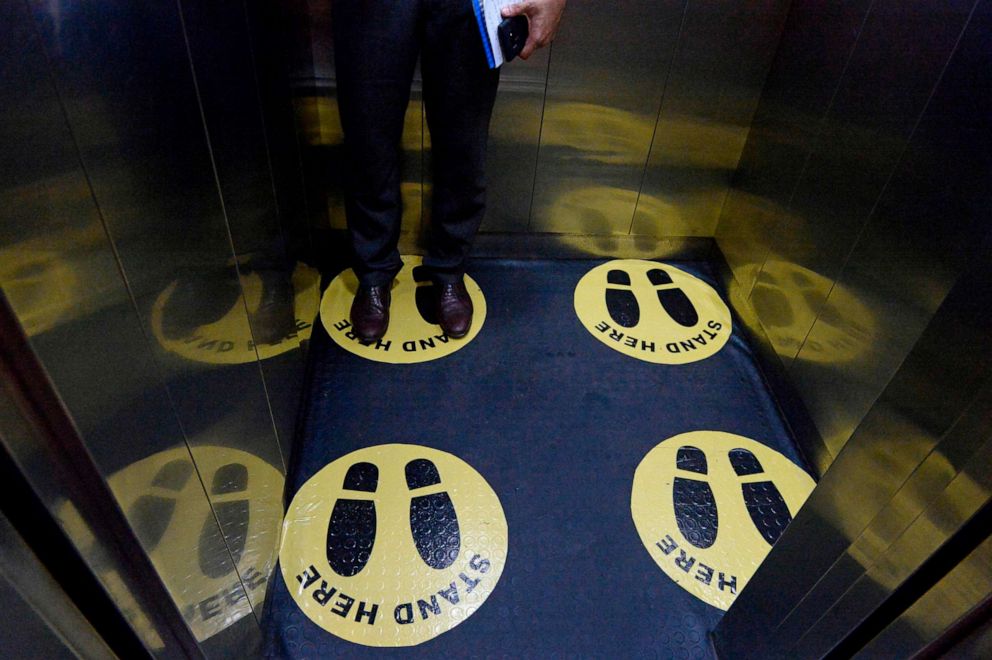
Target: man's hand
[(543, 16)]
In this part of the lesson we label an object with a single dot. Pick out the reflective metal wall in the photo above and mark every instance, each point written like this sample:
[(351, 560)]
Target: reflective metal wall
[(859, 189), (915, 471), (40, 621), (152, 197), (620, 139), (961, 594)]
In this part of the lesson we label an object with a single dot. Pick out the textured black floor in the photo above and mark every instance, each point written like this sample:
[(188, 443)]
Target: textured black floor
[(557, 422)]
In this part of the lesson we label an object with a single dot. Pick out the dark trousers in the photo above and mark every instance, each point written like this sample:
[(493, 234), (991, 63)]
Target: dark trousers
[(376, 44)]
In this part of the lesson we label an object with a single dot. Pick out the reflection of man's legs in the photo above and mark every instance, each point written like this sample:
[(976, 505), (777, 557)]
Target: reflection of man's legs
[(375, 52), (459, 93)]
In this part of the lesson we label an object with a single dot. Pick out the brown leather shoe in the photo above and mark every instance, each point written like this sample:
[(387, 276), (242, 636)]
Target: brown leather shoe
[(454, 309), (370, 312)]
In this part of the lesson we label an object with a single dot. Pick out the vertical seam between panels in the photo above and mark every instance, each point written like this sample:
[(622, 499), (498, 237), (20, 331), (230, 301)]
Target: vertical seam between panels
[(750, 125), (540, 133), (816, 140), (933, 450), (265, 132), (237, 268), (888, 180), (129, 290), (657, 120)]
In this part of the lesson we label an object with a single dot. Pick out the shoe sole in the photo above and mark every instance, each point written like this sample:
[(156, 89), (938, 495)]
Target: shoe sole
[(433, 521), (695, 507), (765, 504), (352, 527), (672, 299), (621, 304)]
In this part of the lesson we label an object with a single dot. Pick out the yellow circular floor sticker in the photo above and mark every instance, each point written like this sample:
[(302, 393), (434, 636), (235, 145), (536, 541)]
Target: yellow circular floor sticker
[(652, 311), (393, 545), (708, 507), (163, 498), (205, 321), (413, 334)]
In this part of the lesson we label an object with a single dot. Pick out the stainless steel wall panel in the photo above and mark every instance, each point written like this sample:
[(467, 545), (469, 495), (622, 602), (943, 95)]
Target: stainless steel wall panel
[(962, 498), (605, 84), (514, 135), (814, 230), (910, 252), (122, 149), (230, 96), (40, 619), (921, 433), (893, 69), (715, 80), (125, 79), (801, 82), (573, 126), (921, 512), (954, 597)]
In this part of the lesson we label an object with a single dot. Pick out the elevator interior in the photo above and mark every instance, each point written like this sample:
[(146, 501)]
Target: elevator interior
[(163, 164)]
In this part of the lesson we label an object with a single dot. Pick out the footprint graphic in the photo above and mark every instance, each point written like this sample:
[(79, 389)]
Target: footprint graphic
[(351, 529), (622, 303), (765, 504), (433, 521), (425, 295), (151, 514), (233, 516), (695, 506), (673, 299)]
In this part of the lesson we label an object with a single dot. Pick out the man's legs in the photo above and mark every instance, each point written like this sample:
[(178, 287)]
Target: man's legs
[(375, 52), (459, 93)]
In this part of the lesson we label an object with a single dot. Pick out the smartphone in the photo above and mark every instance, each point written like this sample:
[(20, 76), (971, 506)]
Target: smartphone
[(512, 34)]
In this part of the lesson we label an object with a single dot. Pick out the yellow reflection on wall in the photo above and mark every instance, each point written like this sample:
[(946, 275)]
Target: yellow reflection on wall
[(214, 579), (788, 299), (605, 210), (217, 331), (320, 122), (58, 277)]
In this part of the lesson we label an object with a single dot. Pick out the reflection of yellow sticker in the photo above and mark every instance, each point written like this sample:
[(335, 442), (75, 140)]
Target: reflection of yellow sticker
[(228, 339), (708, 507), (790, 300), (393, 545), (163, 499), (413, 334), (652, 311)]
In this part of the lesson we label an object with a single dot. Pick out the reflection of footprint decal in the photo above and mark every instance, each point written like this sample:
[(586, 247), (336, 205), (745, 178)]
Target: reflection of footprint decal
[(622, 303), (764, 502), (351, 529), (433, 521), (774, 307), (695, 506), (232, 516), (673, 299), (151, 514), (425, 295)]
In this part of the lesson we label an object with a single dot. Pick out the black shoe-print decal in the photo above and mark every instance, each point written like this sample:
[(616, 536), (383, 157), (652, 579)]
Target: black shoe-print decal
[(765, 504), (151, 514), (232, 514), (351, 529), (695, 506), (621, 303), (672, 299), (425, 295), (432, 517)]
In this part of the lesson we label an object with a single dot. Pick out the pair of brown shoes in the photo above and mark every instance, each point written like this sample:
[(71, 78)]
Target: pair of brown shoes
[(370, 310)]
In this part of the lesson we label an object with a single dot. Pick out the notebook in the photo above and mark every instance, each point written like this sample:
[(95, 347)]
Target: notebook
[(488, 14)]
